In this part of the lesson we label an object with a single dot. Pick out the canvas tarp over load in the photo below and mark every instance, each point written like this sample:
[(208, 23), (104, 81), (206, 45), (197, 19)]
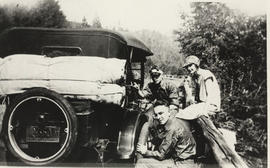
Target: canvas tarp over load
[(91, 78)]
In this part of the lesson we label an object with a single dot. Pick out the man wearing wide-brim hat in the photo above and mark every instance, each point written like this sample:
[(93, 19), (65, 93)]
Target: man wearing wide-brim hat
[(207, 92)]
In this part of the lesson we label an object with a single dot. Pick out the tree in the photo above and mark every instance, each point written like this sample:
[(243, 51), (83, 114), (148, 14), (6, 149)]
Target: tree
[(233, 46), (47, 13), (96, 23), (4, 19), (13, 16), (85, 23), (165, 49)]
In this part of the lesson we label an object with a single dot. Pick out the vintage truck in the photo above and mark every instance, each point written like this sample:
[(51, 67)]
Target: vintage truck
[(68, 89)]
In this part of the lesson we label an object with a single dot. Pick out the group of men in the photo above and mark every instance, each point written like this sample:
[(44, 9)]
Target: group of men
[(166, 139)]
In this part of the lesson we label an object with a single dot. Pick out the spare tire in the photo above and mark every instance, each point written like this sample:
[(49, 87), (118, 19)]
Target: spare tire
[(39, 127)]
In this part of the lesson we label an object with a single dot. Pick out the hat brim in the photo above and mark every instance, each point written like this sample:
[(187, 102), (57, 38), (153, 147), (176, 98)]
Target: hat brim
[(156, 72), (186, 64)]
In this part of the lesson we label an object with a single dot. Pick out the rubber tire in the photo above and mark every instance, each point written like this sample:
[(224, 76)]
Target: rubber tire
[(71, 117), (142, 121)]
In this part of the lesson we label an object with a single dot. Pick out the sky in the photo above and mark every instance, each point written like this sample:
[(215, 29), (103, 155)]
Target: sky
[(157, 15)]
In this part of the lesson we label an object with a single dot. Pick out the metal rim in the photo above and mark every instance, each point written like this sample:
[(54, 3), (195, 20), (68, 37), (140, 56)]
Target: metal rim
[(13, 140)]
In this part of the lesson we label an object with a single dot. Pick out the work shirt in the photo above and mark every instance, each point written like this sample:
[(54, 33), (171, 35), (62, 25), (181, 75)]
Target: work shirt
[(162, 91), (211, 95), (174, 139)]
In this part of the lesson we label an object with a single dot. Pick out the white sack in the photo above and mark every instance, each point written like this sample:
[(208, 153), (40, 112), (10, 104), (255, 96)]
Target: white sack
[(90, 77), (23, 66)]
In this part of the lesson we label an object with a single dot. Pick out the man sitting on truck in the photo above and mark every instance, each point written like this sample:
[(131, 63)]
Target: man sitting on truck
[(173, 144), (159, 89)]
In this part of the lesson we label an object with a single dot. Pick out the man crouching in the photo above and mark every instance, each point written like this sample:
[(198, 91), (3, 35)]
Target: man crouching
[(174, 144)]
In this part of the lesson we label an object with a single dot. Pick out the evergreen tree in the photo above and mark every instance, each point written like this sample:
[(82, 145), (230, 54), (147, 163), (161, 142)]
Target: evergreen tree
[(96, 23), (84, 23)]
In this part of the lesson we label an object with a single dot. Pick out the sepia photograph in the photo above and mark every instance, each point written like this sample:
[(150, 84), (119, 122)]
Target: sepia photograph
[(133, 83)]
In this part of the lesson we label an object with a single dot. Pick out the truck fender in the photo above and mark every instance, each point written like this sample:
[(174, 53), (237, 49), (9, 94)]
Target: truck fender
[(129, 133)]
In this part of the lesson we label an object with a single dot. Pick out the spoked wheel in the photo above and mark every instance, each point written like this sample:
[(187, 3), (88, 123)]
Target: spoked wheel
[(40, 127)]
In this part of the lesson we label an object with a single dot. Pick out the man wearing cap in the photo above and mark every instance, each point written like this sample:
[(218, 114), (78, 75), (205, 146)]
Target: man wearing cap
[(157, 90), (207, 92), (174, 144)]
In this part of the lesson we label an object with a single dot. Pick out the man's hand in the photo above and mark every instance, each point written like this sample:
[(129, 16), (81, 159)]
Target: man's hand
[(172, 107), (141, 148), (135, 85)]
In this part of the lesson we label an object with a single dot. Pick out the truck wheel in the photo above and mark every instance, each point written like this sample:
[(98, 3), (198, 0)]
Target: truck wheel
[(142, 122), (39, 127)]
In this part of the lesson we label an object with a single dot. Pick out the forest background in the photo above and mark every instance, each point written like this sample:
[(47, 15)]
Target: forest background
[(229, 43)]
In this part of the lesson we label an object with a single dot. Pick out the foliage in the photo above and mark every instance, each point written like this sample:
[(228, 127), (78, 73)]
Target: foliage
[(165, 49), (233, 46), (75, 25), (96, 23), (4, 19), (85, 23), (47, 13)]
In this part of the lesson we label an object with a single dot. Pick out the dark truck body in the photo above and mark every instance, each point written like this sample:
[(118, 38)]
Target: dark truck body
[(81, 123)]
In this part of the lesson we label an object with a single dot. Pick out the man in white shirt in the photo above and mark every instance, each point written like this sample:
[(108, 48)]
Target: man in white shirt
[(207, 93)]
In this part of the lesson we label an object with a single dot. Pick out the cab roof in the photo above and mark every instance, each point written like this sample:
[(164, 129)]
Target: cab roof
[(30, 40)]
